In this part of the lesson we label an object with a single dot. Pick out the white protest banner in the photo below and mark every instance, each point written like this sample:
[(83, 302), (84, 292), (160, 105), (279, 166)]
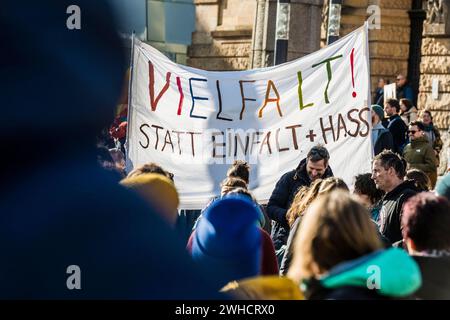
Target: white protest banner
[(195, 123)]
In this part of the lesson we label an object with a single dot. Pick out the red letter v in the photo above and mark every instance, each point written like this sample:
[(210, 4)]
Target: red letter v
[(151, 86)]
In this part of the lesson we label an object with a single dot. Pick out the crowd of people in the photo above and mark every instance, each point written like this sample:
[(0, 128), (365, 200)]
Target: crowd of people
[(323, 237), (396, 128)]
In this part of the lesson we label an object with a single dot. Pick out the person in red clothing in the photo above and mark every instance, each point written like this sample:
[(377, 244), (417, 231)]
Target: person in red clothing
[(118, 129), (269, 263)]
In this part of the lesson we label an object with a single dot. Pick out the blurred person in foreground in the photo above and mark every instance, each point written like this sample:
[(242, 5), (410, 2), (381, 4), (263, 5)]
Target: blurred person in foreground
[(426, 233), (337, 244), (61, 209), (299, 208)]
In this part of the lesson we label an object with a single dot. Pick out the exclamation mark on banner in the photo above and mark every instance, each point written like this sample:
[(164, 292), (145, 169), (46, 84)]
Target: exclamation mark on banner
[(353, 76)]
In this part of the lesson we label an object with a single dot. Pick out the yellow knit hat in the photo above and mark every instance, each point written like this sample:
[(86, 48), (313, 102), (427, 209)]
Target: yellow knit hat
[(158, 190), (264, 288)]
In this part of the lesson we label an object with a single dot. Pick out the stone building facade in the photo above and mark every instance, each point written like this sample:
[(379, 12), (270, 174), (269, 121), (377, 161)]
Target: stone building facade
[(435, 66), (413, 39)]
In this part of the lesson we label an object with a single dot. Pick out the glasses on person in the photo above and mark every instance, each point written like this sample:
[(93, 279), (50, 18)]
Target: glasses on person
[(412, 131)]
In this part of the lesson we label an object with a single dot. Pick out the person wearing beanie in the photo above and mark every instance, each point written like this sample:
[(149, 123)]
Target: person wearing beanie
[(381, 137), (158, 190), (264, 288), (269, 262), (228, 239)]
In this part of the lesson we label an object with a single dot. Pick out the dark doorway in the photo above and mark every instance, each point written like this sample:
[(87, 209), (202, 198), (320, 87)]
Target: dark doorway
[(417, 15)]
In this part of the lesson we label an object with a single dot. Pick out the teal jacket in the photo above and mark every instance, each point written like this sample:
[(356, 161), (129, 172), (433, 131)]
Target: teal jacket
[(389, 273)]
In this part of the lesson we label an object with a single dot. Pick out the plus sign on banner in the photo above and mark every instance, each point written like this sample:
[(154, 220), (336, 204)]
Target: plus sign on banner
[(195, 123)]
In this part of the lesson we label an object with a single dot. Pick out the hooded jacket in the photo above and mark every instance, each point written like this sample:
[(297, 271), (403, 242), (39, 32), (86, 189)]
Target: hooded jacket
[(383, 274), (282, 197), (391, 210), (420, 155)]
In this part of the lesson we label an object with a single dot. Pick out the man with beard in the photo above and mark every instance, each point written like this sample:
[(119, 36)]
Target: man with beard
[(313, 167)]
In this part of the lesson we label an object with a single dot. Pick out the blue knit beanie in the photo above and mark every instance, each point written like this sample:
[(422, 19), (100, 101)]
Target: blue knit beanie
[(228, 240), (378, 110)]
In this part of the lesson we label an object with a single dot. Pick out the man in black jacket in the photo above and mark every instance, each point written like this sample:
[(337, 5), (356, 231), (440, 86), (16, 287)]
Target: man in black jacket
[(388, 171), (395, 124), (313, 167)]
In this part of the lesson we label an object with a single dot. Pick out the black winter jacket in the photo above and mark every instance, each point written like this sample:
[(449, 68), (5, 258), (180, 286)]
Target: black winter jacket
[(435, 277), (282, 197), (288, 253), (398, 130), (391, 210), (384, 141)]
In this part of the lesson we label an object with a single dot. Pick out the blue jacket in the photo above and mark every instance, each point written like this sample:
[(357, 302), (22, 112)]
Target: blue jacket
[(405, 92)]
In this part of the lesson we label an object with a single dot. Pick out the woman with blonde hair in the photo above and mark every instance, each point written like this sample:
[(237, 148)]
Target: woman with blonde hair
[(302, 200), (338, 254)]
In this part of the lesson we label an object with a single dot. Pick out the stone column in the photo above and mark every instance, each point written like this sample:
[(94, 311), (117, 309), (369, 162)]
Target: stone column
[(435, 66), (304, 27), (269, 32), (304, 30), (257, 55), (264, 34)]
